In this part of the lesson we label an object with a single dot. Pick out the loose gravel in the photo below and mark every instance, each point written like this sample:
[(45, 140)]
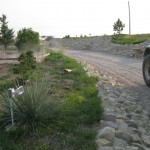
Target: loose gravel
[(125, 125)]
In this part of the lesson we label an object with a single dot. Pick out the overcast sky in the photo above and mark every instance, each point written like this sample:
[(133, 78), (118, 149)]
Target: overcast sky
[(75, 17)]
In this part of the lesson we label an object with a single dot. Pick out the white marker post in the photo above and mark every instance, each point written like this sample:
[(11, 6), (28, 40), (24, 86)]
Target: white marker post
[(11, 94)]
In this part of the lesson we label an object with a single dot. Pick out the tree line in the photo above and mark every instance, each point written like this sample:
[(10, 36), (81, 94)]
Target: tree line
[(26, 37), (29, 39)]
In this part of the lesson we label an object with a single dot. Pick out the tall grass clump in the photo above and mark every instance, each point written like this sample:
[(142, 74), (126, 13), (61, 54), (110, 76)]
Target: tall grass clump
[(32, 109)]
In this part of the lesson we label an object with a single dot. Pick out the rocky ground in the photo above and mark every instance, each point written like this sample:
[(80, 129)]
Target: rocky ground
[(125, 125), (100, 44)]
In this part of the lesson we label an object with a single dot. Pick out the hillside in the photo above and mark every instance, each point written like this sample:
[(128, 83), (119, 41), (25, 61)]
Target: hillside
[(102, 44)]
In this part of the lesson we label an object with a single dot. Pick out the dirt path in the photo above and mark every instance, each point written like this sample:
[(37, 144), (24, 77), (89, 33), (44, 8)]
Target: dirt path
[(128, 70)]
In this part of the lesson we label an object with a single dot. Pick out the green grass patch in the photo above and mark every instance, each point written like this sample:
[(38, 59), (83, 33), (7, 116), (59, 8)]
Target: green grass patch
[(130, 39), (56, 111)]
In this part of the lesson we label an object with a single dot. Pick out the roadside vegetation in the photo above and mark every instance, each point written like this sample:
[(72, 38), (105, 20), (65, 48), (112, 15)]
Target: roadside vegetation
[(58, 110), (130, 39), (26, 38)]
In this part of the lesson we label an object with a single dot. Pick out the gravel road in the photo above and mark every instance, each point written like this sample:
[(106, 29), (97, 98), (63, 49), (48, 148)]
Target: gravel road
[(127, 70)]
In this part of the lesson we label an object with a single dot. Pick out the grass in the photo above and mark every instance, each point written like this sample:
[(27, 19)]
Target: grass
[(71, 126), (130, 39)]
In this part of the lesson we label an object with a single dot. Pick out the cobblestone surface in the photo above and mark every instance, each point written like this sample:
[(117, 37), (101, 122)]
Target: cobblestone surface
[(125, 125)]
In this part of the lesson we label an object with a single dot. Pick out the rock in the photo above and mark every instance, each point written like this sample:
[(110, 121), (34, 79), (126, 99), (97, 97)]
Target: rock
[(107, 133), (112, 99), (119, 105), (139, 146), (138, 111), (100, 93), (103, 142), (136, 138), (132, 148), (123, 126), (126, 109), (105, 148), (142, 131), (118, 93), (133, 124), (119, 148), (109, 117), (146, 140), (108, 124), (121, 117), (120, 144), (124, 136), (124, 95), (134, 131), (129, 115), (121, 100)]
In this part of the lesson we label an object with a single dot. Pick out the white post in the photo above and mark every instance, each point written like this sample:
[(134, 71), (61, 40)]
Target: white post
[(11, 110), (129, 18), (11, 95)]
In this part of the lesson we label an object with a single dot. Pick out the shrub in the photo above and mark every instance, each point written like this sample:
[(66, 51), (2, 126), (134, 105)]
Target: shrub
[(32, 109), (26, 64), (27, 39)]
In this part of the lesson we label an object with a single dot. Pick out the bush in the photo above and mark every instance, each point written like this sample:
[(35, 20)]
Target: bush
[(27, 39), (26, 64), (32, 109)]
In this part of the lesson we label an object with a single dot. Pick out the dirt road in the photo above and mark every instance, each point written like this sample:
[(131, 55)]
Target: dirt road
[(128, 70)]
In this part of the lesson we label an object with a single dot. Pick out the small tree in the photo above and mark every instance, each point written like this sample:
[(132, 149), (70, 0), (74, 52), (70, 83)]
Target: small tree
[(27, 39), (6, 34), (27, 64), (118, 26)]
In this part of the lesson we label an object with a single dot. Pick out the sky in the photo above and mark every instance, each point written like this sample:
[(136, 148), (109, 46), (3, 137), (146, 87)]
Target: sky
[(75, 17)]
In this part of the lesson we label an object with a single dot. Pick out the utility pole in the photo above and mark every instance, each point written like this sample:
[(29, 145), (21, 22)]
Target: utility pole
[(129, 18)]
